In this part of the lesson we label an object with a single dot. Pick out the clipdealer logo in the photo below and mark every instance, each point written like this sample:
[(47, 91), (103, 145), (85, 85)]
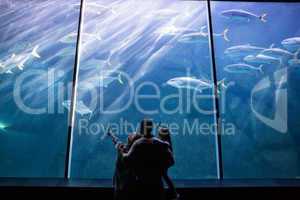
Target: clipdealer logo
[(280, 120)]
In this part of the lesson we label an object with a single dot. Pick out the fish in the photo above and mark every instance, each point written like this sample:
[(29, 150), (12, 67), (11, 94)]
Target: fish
[(18, 61), (201, 36), (94, 64), (104, 80), (224, 35), (71, 38), (291, 44), (243, 68), (239, 14), (222, 84), (240, 51), (8, 65), (189, 83), (98, 9), (23, 58), (81, 108), (261, 59), (294, 62), (278, 53), (193, 83)]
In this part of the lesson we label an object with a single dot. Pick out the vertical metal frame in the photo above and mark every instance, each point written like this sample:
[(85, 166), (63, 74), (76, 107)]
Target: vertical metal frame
[(71, 118), (219, 155)]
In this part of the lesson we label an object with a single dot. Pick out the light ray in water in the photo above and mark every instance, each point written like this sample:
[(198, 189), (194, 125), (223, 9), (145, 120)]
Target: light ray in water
[(143, 39)]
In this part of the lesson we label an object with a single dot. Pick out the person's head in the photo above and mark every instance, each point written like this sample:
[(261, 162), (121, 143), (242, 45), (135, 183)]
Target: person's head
[(146, 127), (165, 135)]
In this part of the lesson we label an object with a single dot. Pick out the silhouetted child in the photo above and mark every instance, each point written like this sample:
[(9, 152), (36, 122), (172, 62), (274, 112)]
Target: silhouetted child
[(165, 135)]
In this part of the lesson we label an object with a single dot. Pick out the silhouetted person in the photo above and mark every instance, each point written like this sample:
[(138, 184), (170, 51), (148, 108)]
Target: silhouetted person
[(150, 158), (165, 135), (124, 179)]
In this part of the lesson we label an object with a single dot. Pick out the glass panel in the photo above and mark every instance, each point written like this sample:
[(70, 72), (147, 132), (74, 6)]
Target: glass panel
[(133, 57), (36, 64), (261, 63)]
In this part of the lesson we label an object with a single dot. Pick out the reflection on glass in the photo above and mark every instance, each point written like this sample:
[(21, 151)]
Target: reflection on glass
[(36, 62), (261, 62), (145, 59)]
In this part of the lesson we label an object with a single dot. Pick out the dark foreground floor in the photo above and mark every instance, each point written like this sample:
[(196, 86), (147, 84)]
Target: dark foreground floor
[(101, 189), (186, 194)]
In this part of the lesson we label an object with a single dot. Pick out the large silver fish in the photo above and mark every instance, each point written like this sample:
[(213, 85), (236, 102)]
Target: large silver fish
[(278, 53), (240, 51), (242, 15), (193, 83), (242, 68), (291, 44), (261, 59), (243, 49), (201, 36)]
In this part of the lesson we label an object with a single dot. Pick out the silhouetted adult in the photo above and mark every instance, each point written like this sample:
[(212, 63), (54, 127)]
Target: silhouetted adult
[(124, 179), (149, 158)]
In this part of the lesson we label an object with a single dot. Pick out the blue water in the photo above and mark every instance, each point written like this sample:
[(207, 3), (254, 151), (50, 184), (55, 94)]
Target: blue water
[(34, 145), (132, 48), (257, 150)]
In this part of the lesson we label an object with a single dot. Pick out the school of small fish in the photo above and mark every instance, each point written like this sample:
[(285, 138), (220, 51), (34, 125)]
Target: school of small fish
[(246, 58)]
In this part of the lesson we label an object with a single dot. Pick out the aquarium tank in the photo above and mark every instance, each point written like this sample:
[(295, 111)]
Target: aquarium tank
[(221, 75)]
